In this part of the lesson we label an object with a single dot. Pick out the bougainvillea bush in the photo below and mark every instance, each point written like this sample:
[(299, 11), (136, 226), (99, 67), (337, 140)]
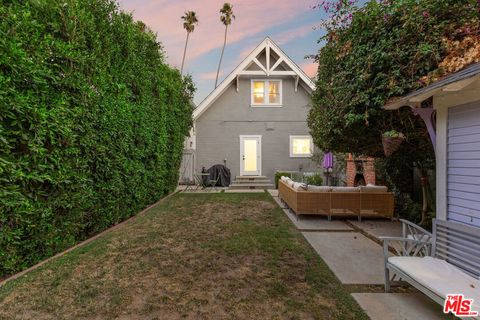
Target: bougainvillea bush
[(92, 124), (372, 53)]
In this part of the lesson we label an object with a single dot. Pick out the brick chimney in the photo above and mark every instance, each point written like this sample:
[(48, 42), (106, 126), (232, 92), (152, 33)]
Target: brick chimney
[(358, 169), (351, 171), (369, 170)]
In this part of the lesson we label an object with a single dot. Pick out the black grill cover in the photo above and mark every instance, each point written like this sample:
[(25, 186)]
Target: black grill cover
[(220, 171)]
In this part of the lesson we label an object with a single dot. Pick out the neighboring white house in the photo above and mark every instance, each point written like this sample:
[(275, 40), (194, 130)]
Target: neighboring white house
[(255, 121), (456, 137)]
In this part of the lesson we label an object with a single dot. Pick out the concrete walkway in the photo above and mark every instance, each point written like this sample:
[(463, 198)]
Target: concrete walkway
[(353, 258), (312, 223), (353, 252), (398, 306), (379, 228)]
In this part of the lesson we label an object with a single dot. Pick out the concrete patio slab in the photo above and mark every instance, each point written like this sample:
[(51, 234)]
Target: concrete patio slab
[(353, 258), (398, 306), (379, 228), (316, 223), (313, 223), (273, 192)]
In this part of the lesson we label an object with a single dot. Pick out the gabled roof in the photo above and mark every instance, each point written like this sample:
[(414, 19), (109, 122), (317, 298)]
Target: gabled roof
[(453, 82), (267, 46)]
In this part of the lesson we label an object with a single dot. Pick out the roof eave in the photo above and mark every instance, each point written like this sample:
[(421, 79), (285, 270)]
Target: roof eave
[(217, 92), (452, 83)]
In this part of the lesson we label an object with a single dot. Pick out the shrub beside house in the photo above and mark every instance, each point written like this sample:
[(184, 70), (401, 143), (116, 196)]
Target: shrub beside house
[(367, 59)]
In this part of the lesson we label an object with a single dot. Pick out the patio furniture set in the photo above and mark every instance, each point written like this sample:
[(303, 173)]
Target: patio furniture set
[(438, 264), (217, 175), (365, 201), (202, 181)]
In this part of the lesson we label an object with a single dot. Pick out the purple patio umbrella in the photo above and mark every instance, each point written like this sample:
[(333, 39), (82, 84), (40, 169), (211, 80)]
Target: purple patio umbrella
[(327, 160), (327, 165)]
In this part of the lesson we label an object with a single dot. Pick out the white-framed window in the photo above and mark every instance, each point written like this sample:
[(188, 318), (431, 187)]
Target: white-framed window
[(301, 146), (266, 93)]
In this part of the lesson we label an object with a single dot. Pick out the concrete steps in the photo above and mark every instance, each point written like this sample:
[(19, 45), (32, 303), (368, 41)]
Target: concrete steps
[(251, 182), (250, 178)]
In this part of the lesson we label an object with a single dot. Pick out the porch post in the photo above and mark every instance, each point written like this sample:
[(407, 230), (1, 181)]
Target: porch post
[(428, 116)]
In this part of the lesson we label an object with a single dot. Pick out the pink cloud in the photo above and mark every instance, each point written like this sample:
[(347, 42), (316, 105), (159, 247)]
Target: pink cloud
[(252, 17), (292, 34), (310, 68)]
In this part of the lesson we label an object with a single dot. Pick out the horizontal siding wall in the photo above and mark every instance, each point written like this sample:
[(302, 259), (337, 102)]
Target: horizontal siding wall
[(463, 180)]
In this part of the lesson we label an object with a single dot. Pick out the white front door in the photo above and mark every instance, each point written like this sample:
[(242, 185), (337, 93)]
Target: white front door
[(250, 155)]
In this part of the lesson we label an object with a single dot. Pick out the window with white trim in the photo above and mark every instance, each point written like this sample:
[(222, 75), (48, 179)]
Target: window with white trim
[(266, 93), (301, 146)]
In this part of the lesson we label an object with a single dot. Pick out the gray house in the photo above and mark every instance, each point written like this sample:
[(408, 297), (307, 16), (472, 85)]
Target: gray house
[(254, 122)]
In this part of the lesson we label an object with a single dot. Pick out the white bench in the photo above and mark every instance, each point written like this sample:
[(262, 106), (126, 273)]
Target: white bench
[(412, 231), (448, 263)]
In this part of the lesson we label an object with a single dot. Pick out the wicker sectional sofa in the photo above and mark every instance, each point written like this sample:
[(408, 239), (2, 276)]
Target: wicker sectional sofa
[(368, 201)]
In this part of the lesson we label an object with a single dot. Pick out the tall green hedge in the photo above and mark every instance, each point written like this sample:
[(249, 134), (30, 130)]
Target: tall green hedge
[(92, 124)]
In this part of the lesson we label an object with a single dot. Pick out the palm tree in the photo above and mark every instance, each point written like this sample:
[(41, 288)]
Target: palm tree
[(226, 18), (189, 21)]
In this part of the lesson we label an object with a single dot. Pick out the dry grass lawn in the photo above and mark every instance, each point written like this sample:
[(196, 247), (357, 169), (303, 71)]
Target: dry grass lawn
[(194, 256)]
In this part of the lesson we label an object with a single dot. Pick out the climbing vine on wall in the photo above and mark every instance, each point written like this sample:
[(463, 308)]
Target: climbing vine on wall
[(381, 50)]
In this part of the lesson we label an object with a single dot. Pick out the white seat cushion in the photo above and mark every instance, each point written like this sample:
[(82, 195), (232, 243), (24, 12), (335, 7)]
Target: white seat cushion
[(345, 189), (299, 186), (439, 276), (313, 188)]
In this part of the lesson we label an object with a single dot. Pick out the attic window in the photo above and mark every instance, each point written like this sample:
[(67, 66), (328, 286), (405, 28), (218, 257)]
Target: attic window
[(266, 93)]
